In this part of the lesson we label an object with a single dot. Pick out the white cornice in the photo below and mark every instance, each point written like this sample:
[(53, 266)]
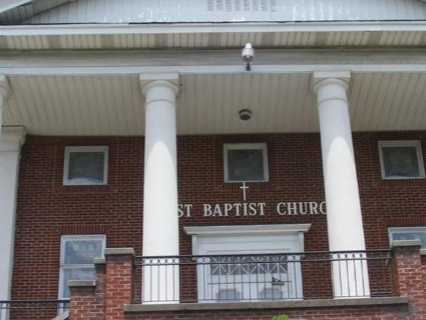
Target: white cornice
[(247, 229), (11, 139), (171, 28)]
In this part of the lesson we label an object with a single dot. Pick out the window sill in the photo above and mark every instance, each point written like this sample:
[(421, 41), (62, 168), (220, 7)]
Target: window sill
[(295, 304), (402, 178)]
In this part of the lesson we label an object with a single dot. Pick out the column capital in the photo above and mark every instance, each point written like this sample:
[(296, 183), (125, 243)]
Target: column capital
[(157, 80), (12, 138), (341, 78)]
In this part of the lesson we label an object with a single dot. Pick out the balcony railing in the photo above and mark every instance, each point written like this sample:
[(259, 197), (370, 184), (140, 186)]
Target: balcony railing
[(33, 309), (263, 277)]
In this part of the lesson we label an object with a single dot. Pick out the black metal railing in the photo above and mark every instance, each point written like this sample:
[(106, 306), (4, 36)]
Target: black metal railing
[(260, 277), (32, 309)]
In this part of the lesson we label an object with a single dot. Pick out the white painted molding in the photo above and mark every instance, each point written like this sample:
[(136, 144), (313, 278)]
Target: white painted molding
[(211, 69), (321, 78), (147, 77), (171, 28), (322, 75), (268, 61), (246, 229), (150, 80), (12, 139)]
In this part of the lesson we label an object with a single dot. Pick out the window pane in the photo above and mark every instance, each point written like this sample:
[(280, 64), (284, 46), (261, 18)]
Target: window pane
[(228, 294), (86, 167), (76, 274), (271, 294), (245, 165), (400, 162), (82, 251), (415, 235)]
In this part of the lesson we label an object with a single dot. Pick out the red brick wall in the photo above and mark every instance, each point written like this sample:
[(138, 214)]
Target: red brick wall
[(83, 304), (47, 209)]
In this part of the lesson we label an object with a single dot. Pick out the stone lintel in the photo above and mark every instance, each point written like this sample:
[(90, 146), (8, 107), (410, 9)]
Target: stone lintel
[(295, 304), (119, 252)]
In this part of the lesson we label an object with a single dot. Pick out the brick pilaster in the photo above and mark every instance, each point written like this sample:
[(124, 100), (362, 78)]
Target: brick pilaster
[(118, 281), (409, 275), (83, 300), (99, 307)]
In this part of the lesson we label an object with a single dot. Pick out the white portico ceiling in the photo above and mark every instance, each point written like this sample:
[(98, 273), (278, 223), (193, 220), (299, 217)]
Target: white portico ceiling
[(208, 104), (314, 37)]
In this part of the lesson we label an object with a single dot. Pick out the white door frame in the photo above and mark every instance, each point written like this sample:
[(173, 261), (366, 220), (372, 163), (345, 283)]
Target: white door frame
[(239, 239)]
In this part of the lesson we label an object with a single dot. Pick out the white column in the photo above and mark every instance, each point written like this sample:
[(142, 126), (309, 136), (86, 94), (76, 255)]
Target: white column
[(160, 220), (344, 219), (10, 145)]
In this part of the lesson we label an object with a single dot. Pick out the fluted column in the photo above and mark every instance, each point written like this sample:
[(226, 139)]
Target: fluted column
[(344, 219)]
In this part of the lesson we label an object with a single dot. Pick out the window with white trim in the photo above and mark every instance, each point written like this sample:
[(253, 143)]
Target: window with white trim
[(246, 162), (401, 159), (408, 233), (86, 165), (76, 261)]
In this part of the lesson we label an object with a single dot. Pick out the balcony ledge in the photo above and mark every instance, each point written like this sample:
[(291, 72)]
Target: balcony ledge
[(295, 304)]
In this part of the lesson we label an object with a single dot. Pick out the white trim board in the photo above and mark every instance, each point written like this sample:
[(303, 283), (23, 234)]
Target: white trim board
[(219, 69), (213, 62), (246, 229), (176, 28)]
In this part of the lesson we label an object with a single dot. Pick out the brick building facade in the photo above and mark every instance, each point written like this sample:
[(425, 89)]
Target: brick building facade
[(116, 209), (226, 159)]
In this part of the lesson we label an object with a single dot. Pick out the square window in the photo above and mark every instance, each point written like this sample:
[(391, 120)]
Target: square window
[(77, 255), (401, 159), (86, 165), (246, 162), (408, 233)]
